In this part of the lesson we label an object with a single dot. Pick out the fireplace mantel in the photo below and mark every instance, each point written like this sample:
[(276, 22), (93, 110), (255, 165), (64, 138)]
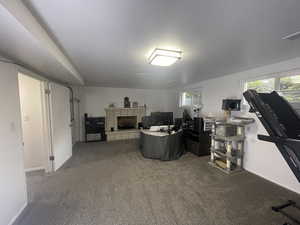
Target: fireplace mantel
[(111, 122)]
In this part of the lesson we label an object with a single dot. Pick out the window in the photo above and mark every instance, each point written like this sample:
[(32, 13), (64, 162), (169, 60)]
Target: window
[(287, 86), (189, 99), (266, 85)]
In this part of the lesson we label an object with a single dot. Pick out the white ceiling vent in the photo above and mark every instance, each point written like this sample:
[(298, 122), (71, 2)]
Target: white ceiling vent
[(293, 36)]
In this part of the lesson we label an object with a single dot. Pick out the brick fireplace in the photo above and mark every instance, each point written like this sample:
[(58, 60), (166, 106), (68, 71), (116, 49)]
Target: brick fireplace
[(122, 123), (127, 122)]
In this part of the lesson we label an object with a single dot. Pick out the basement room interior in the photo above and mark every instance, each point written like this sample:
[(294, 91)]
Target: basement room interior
[(150, 112)]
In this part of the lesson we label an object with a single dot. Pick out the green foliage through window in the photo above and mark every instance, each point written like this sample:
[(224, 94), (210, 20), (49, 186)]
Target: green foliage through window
[(266, 85), (288, 87), (290, 83)]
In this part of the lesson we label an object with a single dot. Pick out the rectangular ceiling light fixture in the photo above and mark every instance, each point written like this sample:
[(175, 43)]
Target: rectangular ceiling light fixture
[(164, 57)]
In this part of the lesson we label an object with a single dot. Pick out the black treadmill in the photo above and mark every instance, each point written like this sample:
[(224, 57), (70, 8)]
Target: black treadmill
[(282, 123)]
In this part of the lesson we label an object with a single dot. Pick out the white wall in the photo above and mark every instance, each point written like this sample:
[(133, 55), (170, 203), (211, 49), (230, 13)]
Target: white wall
[(261, 158), (95, 99), (13, 196), (32, 122)]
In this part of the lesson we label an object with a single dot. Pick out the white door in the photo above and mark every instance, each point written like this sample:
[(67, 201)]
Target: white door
[(60, 124)]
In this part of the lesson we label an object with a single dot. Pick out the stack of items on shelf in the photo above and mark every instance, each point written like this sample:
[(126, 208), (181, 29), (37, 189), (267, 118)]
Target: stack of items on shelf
[(227, 139), (227, 144)]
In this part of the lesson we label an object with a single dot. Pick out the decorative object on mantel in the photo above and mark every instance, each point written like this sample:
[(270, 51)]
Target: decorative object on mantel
[(112, 105), (135, 104), (126, 102)]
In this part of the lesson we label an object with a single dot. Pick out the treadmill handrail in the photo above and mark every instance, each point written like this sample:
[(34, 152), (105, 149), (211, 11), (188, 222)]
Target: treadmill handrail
[(278, 140)]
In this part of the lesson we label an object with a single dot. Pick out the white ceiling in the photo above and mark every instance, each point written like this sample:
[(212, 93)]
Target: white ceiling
[(107, 41)]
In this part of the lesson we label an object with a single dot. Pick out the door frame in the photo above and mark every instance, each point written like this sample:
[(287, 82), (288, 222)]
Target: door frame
[(46, 137), (47, 127), (46, 116)]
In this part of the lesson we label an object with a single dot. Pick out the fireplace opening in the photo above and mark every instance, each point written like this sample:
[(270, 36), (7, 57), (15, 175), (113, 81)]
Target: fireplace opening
[(127, 122)]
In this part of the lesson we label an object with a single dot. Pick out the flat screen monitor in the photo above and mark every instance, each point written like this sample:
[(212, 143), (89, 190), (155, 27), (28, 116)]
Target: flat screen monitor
[(162, 118), (231, 104)]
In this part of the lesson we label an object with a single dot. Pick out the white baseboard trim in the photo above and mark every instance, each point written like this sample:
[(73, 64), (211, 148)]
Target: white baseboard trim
[(34, 169), (18, 214)]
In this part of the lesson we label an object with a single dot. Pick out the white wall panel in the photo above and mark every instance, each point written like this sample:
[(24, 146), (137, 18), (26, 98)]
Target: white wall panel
[(13, 195)]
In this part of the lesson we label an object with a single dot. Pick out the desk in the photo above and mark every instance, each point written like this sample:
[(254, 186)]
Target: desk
[(161, 145)]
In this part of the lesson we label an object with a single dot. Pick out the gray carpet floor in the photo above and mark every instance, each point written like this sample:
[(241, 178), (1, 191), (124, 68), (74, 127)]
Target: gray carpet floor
[(112, 184)]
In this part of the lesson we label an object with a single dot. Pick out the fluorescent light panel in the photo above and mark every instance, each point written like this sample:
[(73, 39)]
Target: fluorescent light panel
[(164, 57)]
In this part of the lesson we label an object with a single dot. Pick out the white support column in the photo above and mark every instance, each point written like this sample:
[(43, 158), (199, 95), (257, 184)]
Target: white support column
[(22, 14)]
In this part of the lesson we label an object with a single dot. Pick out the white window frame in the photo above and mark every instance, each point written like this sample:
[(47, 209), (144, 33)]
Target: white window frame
[(193, 92), (277, 77)]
